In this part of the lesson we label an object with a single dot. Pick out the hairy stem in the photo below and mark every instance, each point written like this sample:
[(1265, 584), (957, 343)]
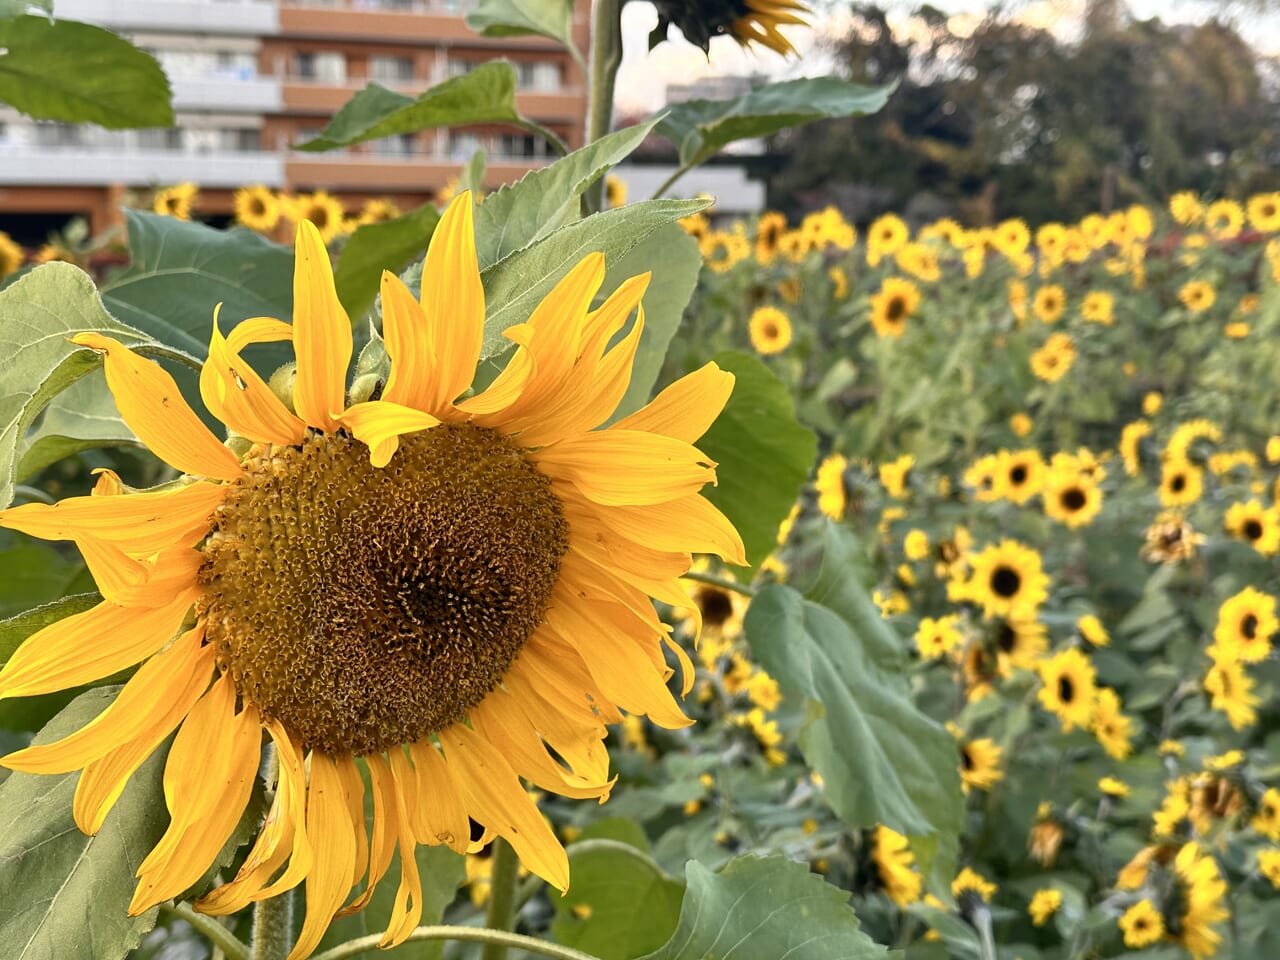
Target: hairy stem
[(273, 927), (502, 897), (606, 57)]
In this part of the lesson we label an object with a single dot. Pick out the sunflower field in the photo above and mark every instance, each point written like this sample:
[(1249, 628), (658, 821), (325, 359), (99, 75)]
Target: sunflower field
[(539, 572)]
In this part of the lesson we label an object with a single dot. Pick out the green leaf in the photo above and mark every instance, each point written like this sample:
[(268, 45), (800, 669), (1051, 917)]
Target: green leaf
[(374, 247), (764, 908), (471, 177), (485, 95), (77, 73), (37, 315), (543, 201), (74, 889), (16, 629), (701, 128), (763, 453), (179, 272), (517, 284), (32, 573), (511, 18), (82, 417), (882, 760), (599, 914), (673, 258)]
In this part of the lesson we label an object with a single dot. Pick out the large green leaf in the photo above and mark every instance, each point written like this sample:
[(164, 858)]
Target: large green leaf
[(82, 417), (542, 201), (701, 128), (511, 18), (78, 73), (68, 893), (882, 760), (180, 271), (599, 914), (516, 284), (673, 258), (763, 454), (485, 95), (765, 908), (37, 315), (375, 247)]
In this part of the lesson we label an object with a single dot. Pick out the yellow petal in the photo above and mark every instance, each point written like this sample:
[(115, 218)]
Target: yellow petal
[(559, 673), (626, 467), (321, 333), (439, 816), (91, 645), (380, 425), (576, 733), (690, 524), (141, 704), (213, 763), (127, 582), (333, 838), (509, 384), (386, 830), (404, 330), (258, 330), (686, 409), (139, 523), (152, 405), (407, 909), (236, 395), (353, 786), (453, 303), (494, 797), (604, 546)]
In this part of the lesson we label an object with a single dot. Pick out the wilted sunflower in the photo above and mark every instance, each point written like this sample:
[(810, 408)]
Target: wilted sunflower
[(770, 330), (1255, 524), (747, 21), (449, 589), (176, 201), (1068, 688), (1246, 623), (256, 208), (1170, 539), (892, 304), (1044, 840)]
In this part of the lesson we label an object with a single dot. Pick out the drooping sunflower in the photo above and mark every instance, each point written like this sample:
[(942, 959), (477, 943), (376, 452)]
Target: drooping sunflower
[(1170, 539), (1007, 579), (770, 330), (895, 863), (972, 885), (1246, 624), (1049, 303), (449, 589), (257, 208), (1068, 688), (1255, 524), (1071, 499), (1051, 362), (1131, 436), (892, 304), (320, 209), (759, 20), (176, 201), (980, 764), (829, 483), (1142, 925), (1200, 892)]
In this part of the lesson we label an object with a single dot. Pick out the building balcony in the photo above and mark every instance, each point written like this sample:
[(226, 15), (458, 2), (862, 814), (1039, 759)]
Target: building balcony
[(247, 95), (410, 173), (22, 165), (439, 22), (251, 17)]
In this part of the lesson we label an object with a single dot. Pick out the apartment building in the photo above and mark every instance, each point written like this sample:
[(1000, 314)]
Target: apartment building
[(251, 78)]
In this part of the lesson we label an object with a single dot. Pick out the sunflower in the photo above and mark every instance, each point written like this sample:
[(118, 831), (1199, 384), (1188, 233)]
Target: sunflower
[(257, 208), (1019, 643), (1018, 301), (986, 477), (936, 638), (1246, 623), (1051, 362), (1024, 474), (1170, 539), (980, 764), (1092, 630), (1098, 307), (893, 475), (895, 863), (1044, 904), (1224, 219), (757, 21), (1236, 331), (1113, 730), (378, 210), (892, 304), (770, 330), (1049, 303), (715, 614), (1007, 579), (1264, 212), (1269, 866), (1186, 208), (885, 237), (1044, 840), (1255, 524), (1197, 296), (615, 191), (1071, 499), (1116, 789), (176, 201), (1231, 691), (915, 545), (1142, 925), (1267, 820), (1021, 424), (1068, 688), (919, 261), (1181, 483), (1200, 892), (322, 210), (11, 255), (769, 230), (447, 591), (969, 883), (1011, 237), (1130, 437), (839, 282), (1186, 434), (829, 483)]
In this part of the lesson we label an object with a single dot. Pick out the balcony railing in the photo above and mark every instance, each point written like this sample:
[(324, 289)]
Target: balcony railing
[(253, 17)]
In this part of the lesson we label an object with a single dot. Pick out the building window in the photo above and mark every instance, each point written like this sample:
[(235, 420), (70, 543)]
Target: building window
[(391, 69), (59, 135), (400, 145), (519, 145), (242, 141), (160, 138), (324, 67)]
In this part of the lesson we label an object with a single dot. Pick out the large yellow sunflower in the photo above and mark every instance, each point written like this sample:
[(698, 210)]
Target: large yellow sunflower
[(1255, 524), (1007, 580), (456, 591), (176, 201), (1246, 624), (759, 20), (1200, 893), (1071, 498), (1069, 688)]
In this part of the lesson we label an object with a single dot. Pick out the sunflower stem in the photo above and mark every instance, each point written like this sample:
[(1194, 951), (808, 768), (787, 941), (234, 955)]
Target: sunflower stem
[(353, 948), (502, 897), (272, 927), (222, 938), (606, 57), (986, 940), (722, 582)]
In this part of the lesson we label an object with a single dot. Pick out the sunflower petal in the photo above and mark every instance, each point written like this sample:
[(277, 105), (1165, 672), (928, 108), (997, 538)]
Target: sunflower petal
[(332, 834), (686, 409), (140, 523), (691, 524), (151, 404), (453, 302), (141, 704), (127, 582), (404, 331), (258, 330), (494, 796), (322, 338), (407, 909), (627, 467), (386, 830), (91, 645), (579, 738), (439, 815), (380, 424), (235, 394)]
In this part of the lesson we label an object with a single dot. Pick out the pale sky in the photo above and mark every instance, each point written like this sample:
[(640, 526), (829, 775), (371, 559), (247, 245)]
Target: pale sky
[(643, 76)]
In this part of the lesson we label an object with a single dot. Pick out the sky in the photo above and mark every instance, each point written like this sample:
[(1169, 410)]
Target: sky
[(643, 75)]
